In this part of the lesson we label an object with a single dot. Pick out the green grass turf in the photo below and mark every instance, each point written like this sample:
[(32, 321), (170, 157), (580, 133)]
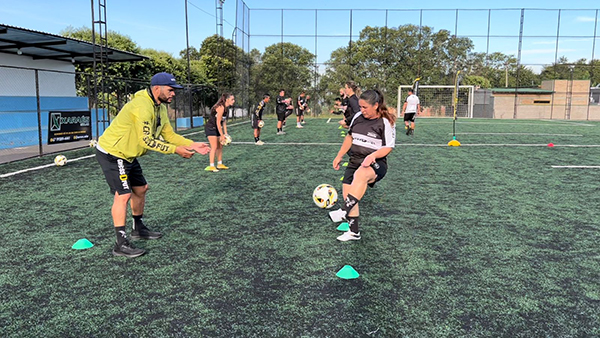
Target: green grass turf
[(478, 241)]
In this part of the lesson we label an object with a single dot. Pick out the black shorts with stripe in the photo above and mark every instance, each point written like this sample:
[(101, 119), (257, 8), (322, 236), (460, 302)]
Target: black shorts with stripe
[(254, 121), (380, 168), (409, 117), (120, 174)]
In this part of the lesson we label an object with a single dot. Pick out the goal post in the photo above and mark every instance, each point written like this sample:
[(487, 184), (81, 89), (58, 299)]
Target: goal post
[(436, 101)]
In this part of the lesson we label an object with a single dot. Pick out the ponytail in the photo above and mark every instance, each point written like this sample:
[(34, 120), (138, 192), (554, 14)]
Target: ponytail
[(221, 102)]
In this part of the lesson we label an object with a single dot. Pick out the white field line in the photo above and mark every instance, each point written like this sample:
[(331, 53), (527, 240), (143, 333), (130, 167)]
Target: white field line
[(42, 167), (229, 125), (576, 166), (512, 123), (569, 123), (528, 134), (340, 143), (80, 158), (431, 144)]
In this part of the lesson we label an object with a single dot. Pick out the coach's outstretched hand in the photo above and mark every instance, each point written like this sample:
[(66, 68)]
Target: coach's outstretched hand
[(200, 148), (184, 151)]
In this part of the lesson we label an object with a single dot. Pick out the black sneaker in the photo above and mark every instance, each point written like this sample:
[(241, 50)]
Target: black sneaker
[(126, 249), (145, 233), (408, 131)]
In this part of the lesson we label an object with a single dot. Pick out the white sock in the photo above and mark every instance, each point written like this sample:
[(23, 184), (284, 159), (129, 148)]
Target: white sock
[(212, 164), (220, 162)]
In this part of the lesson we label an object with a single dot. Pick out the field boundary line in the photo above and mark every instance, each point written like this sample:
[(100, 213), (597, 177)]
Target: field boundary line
[(42, 167), (569, 123), (527, 134), (576, 166)]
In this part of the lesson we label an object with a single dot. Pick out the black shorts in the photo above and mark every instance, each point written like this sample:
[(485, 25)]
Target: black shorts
[(299, 112), (254, 121), (409, 117), (281, 116), (210, 129), (120, 174), (380, 168)]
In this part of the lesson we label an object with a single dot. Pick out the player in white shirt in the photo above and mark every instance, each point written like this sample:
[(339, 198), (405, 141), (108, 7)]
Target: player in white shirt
[(411, 107)]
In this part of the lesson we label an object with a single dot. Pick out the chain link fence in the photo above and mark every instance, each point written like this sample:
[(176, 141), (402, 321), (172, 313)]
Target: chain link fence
[(28, 95)]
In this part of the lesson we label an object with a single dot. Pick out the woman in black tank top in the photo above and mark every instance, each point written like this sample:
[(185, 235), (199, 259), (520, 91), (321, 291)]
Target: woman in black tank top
[(216, 131)]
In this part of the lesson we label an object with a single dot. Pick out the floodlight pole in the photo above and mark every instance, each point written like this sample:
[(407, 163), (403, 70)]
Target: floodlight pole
[(187, 54), (219, 16)]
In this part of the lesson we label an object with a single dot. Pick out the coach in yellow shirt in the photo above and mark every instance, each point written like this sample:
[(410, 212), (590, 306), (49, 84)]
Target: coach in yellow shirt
[(142, 125)]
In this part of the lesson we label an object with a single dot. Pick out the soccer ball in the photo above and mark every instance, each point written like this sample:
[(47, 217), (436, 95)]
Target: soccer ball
[(93, 143), (261, 123), (227, 140), (325, 196), (60, 160)]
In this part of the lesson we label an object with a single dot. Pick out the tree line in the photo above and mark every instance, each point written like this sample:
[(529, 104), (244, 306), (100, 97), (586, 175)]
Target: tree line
[(381, 57)]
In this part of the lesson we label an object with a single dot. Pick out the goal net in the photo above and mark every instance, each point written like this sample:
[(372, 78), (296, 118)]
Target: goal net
[(436, 101)]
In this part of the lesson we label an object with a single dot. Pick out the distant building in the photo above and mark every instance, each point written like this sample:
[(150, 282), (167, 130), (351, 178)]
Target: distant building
[(556, 99)]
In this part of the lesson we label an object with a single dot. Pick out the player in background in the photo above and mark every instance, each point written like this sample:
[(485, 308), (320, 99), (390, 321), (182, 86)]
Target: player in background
[(216, 129), (280, 110), (301, 109), (371, 137), (411, 107), (351, 90), (306, 111), (141, 125), (257, 118)]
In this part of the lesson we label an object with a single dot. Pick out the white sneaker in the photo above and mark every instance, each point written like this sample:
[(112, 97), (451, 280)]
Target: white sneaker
[(303, 122), (348, 236), (299, 126), (259, 143), (337, 215)]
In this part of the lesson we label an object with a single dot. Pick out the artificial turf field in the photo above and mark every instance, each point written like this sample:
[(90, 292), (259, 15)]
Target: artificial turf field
[(482, 240)]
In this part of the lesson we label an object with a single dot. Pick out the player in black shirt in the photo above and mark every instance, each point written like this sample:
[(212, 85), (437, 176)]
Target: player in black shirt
[(216, 131), (283, 105), (301, 109), (351, 89), (256, 118), (371, 137)]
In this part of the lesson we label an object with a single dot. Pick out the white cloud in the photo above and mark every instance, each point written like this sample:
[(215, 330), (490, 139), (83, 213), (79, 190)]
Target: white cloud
[(585, 19)]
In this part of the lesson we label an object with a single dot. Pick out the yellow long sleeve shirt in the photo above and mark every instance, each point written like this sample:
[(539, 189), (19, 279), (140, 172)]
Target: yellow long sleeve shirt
[(137, 128)]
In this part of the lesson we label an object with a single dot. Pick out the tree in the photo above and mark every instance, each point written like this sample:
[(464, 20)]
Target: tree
[(565, 70), (385, 58), (282, 65)]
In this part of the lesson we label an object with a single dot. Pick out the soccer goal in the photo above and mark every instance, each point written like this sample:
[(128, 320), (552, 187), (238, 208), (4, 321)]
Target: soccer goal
[(436, 101)]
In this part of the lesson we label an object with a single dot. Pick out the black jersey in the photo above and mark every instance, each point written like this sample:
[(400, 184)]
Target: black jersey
[(351, 108), (281, 105), (258, 111), (212, 120), (344, 101), (368, 136), (302, 102)]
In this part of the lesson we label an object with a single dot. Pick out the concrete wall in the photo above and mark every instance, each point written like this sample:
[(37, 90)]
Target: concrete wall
[(557, 108), (21, 82), (504, 106)]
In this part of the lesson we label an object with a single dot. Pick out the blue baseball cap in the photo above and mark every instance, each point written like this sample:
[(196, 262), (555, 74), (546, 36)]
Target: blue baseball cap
[(164, 79)]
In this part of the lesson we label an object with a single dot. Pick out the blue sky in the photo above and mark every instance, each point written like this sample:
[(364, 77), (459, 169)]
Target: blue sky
[(161, 24)]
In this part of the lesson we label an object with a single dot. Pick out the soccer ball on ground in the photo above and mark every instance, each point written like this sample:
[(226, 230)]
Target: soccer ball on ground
[(227, 140), (325, 196), (93, 143), (261, 123), (60, 160)]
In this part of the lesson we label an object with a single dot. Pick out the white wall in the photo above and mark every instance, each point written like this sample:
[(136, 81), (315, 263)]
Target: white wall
[(21, 82)]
